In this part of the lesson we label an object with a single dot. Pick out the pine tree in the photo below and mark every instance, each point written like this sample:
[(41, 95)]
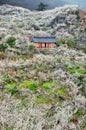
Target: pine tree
[(42, 6)]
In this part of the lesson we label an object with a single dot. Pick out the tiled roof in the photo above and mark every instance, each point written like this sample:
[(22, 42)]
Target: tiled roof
[(44, 39)]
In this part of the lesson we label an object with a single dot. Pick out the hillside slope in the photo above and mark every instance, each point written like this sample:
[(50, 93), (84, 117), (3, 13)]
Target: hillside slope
[(42, 89), (46, 92), (63, 22)]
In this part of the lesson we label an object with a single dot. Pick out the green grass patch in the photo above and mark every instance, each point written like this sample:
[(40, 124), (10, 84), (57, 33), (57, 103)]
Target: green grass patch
[(81, 71), (75, 69), (71, 70), (9, 128), (42, 100), (7, 79), (70, 43), (53, 88), (79, 113), (12, 88), (54, 91), (48, 84), (62, 91), (28, 84), (84, 124), (62, 94), (57, 60)]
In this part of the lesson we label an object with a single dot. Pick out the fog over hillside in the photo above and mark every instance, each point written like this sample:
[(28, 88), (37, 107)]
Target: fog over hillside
[(32, 4)]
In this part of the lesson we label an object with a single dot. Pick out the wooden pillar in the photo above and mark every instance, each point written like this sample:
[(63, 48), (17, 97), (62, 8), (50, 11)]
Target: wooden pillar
[(40, 45), (48, 45)]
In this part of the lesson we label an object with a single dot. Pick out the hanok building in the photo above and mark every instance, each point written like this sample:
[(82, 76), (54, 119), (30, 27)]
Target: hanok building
[(44, 42)]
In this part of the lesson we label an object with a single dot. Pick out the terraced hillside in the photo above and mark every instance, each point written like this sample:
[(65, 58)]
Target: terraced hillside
[(45, 92), (42, 89)]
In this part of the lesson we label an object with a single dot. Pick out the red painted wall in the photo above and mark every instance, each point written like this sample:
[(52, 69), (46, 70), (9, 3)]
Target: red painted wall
[(42, 45)]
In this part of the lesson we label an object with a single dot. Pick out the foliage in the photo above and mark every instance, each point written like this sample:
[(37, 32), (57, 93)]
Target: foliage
[(78, 15), (11, 41), (85, 29), (42, 6), (41, 99), (12, 88), (48, 86), (84, 124), (83, 90), (53, 88), (58, 60), (31, 48), (3, 47), (7, 79), (61, 41), (73, 70), (32, 86), (9, 128), (71, 43), (79, 113), (62, 91), (29, 84)]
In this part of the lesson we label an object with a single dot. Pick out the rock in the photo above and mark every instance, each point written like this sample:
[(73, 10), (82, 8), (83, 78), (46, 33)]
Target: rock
[(59, 74), (35, 27)]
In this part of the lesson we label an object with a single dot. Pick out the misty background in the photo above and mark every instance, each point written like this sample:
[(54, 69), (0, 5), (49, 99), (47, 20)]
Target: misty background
[(33, 4)]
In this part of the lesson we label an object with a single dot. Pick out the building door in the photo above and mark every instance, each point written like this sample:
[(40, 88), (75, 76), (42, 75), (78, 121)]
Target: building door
[(45, 45)]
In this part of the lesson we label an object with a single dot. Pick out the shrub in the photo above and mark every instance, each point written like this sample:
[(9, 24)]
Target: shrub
[(32, 86), (78, 15), (48, 86), (83, 90), (62, 91), (12, 88), (79, 112), (73, 70), (9, 128), (85, 29), (84, 124), (29, 84), (31, 48), (3, 47), (11, 41), (42, 100), (71, 43), (7, 79), (61, 41)]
